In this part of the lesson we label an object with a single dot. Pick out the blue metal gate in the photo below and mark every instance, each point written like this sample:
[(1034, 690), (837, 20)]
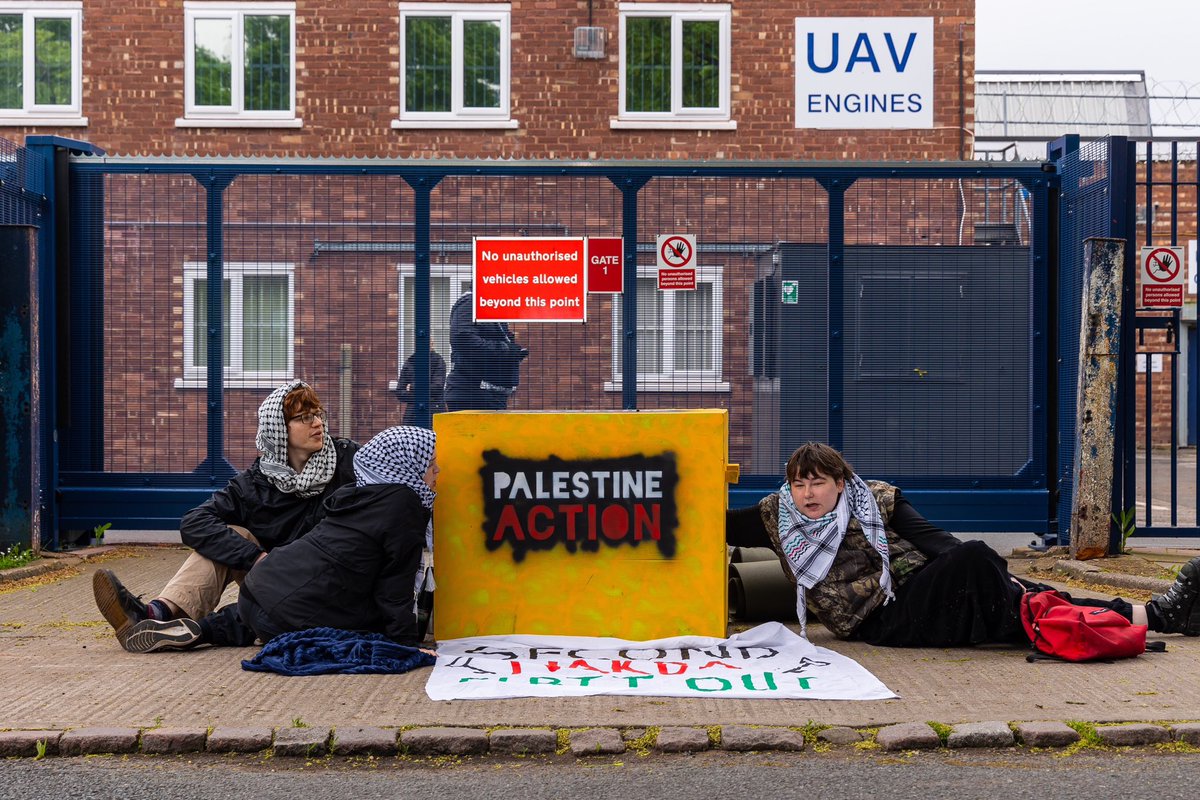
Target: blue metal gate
[(921, 316)]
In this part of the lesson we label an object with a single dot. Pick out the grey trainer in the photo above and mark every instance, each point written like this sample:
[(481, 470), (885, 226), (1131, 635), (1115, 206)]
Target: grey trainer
[(1178, 609), (152, 634)]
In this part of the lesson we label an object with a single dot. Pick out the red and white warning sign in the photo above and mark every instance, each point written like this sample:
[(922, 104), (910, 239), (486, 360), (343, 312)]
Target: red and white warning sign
[(1162, 277), (676, 251), (676, 261), (518, 279)]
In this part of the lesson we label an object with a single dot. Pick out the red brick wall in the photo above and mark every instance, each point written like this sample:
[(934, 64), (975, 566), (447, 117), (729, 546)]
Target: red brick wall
[(348, 83)]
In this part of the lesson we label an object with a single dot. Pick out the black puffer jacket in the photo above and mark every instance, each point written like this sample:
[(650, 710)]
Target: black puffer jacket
[(355, 570), (251, 501)]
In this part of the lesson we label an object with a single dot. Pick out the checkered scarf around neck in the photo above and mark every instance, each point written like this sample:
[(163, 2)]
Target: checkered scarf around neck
[(810, 544), (398, 455), (272, 443)]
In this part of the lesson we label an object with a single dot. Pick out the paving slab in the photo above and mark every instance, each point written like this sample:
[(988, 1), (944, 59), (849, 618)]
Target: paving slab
[(62, 668), (908, 736), (444, 742), (1188, 733), (1133, 735), (92, 740)]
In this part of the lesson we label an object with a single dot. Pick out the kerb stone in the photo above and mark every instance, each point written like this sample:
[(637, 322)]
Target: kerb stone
[(444, 742), (908, 736), (364, 741), (743, 738), (1132, 735), (1046, 734), (518, 741), (24, 743), (597, 742), (239, 740), (174, 740), (1188, 733), (839, 735), (302, 742), (88, 741), (682, 740), (981, 734)]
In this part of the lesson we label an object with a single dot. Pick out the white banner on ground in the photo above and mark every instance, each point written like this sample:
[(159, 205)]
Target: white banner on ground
[(769, 661)]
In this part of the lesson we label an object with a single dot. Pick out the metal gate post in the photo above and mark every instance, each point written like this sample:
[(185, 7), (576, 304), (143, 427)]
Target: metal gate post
[(836, 189), (215, 464), (422, 187), (629, 186)]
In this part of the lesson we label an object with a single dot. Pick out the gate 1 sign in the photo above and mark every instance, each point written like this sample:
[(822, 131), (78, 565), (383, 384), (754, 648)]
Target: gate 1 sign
[(519, 279), (582, 524), (605, 265), (864, 72)]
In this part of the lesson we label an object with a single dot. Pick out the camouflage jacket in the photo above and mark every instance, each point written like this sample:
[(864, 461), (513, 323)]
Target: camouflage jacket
[(850, 592)]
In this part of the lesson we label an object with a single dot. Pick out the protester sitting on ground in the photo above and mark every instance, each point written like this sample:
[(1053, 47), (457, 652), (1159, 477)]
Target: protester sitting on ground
[(354, 571), (834, 532), (277, 500)]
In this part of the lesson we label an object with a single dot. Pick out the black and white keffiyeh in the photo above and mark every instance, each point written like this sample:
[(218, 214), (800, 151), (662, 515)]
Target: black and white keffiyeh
[(811, 544), (272, 443), (398, 455)]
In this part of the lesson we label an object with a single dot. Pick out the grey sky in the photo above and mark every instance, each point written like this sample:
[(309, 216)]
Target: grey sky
[(1158, 36)]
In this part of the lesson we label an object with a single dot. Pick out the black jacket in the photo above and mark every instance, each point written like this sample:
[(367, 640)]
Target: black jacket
[(356, 570), (251, 501), (481, 351)]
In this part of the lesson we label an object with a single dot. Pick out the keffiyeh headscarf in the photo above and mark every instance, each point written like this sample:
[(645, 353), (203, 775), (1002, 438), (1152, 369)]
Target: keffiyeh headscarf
[(272, 443), (398, 455), (810, 544)]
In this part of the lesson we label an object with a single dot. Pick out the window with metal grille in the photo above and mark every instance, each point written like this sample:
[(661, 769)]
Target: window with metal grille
[(239, 62), (678, 336), (454, 64), (257, 326), (447, 283), (674, 62), (40, 56)]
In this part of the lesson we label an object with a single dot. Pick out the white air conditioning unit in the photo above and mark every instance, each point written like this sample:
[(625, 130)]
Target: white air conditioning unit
[(589, 42)]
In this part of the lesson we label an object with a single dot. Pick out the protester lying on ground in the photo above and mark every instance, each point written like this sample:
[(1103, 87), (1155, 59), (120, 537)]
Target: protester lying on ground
[(354, 571), (833, 532), (277, 500)]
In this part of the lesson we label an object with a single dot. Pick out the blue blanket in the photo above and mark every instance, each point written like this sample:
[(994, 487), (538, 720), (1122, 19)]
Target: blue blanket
[(326, 651)]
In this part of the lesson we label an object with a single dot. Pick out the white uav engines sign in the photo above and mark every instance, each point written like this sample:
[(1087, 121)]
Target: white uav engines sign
[(864, 72)]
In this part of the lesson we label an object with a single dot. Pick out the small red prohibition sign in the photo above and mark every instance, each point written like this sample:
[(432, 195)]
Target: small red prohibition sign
[(676, 251), (1162, 265)]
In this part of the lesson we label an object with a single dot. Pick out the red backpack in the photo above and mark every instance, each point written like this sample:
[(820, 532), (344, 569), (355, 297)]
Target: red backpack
[(1078, 633)]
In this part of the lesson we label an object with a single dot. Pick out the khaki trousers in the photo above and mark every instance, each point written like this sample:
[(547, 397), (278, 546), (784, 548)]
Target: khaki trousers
[(198, 585)]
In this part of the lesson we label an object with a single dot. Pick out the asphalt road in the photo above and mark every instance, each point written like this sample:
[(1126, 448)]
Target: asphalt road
[(1013, 775)]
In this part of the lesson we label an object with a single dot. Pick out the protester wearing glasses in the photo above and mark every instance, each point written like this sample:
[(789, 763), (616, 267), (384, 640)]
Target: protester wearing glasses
[(276, 501)]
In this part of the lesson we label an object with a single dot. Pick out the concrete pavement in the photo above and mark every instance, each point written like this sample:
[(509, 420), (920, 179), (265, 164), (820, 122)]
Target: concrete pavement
[(62, 668)]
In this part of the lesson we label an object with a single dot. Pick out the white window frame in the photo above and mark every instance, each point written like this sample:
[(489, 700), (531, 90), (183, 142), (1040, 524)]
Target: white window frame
[(458, 116), (671, 379), (462, 273), (234, 115), (679, 117), (30, 112), (196, 377)]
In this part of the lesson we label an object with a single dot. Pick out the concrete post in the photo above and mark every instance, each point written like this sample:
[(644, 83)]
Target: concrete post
[(1095, 421)]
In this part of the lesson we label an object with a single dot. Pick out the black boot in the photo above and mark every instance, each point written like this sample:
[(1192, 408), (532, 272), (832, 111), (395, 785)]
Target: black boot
[(1177, 610)]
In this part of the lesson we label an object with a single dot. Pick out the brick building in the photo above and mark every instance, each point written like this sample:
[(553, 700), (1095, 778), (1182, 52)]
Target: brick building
[(317, 281)]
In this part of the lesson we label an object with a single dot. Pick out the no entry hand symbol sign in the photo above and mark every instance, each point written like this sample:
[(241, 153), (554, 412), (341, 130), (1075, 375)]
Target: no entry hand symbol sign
[(1161, 277), (676, 251)]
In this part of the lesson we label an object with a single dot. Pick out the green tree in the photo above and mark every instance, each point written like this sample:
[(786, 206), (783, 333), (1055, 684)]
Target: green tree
[(11, 83)]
